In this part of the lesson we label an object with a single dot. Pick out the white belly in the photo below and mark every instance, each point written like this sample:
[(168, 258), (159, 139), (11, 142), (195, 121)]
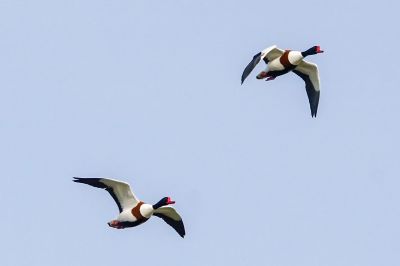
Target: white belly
[(126, 216), (275, 65)]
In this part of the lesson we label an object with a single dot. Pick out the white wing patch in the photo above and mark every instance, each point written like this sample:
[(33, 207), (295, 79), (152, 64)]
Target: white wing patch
[(169, 212), (122, 191), (310, 70), (271, 53)]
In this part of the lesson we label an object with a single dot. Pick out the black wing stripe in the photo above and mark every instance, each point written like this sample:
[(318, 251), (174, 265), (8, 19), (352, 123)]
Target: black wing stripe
[(313, 95), (251, 66), (95, 182), (177, 225)]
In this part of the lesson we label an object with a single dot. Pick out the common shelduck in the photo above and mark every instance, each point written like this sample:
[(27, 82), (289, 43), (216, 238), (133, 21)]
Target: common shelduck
[(132, 211), (280, 62)]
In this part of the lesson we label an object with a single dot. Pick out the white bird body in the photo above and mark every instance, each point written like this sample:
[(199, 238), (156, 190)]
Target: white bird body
[(274, 65), (294, 58), (132, 211), (126, 216), (145, 210)]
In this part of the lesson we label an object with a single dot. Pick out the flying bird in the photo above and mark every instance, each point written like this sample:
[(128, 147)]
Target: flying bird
[(132, 211), (280, 62)]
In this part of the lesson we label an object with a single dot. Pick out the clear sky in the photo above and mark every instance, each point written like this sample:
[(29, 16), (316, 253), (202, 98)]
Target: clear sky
[(149, 92)]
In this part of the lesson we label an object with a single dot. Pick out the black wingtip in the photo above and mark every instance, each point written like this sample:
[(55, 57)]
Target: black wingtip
[(181, 231), (94, 182), (246, 72), (314, 113), (79, 180), (178, 226)]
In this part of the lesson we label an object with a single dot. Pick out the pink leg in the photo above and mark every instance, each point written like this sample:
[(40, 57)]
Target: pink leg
[(115, 224), (262, 75)]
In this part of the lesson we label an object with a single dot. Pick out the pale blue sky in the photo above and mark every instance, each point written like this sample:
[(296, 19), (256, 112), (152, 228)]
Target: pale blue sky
[(149, 92)]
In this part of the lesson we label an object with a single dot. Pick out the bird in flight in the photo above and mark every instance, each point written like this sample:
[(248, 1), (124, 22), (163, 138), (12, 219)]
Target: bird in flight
[(280, 62), (132, 211)]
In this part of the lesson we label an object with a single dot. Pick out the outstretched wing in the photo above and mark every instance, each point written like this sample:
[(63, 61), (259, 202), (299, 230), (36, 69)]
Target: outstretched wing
[(251, 66), (271, 53), (119, 191), (267, 55), (309, 73), (171, 217)]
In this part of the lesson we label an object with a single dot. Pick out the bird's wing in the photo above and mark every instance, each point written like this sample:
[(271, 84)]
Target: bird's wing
[(309, 73), (256, 59), (119, 191), (267, 55), (270, 53), (171, 217)]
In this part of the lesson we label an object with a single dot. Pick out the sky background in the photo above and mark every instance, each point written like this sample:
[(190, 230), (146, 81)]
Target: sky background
[(149, 93)]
